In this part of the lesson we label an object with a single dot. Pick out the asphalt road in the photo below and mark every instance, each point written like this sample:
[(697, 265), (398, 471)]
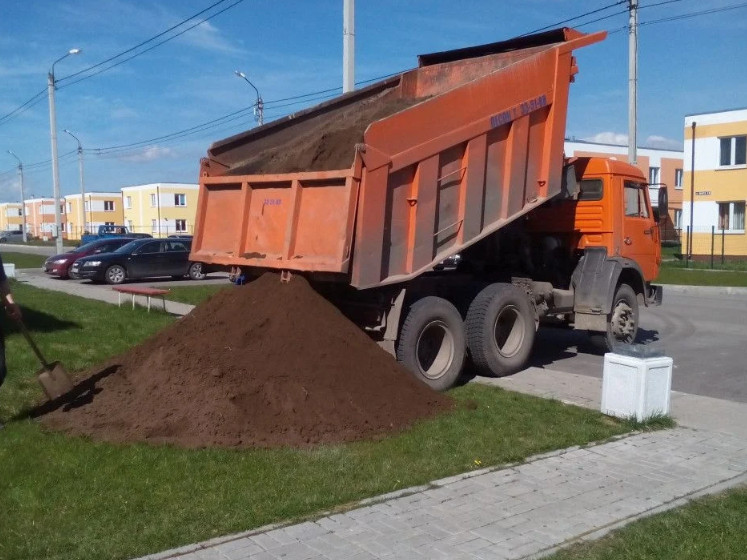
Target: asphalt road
[(703, 330)]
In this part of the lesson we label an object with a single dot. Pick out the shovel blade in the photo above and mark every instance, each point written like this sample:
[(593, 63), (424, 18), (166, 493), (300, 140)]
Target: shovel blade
[(55, 381)]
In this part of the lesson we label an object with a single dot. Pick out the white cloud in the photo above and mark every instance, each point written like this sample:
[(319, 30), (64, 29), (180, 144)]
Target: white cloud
[(618, 139), (608, 138), (662, 143), (151, 153)]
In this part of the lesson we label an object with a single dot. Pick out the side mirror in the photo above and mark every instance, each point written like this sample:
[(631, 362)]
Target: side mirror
[(662, 206)]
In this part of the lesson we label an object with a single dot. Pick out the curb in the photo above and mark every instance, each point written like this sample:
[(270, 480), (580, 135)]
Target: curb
[(704, 290)]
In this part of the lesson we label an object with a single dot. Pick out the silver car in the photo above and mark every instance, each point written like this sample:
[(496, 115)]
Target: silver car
[(11, 236)]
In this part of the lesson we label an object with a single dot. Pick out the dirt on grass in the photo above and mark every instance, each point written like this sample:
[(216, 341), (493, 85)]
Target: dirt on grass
[(266, 364)]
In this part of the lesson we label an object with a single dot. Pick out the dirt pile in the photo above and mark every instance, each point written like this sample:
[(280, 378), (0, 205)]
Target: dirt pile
[(266, 364)]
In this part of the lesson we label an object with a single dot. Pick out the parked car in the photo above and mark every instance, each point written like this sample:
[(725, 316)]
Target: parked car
[(181, 235), (140, 258), (11, 236), (59, 265)]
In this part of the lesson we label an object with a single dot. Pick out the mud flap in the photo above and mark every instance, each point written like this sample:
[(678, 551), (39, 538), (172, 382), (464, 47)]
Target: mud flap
[(593, 279)]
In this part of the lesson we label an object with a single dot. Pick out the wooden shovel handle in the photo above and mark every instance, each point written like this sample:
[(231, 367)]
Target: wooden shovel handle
[(33, 345)]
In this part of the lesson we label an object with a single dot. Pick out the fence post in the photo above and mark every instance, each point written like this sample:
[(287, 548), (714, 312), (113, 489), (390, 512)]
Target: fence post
[(722, 246), (713, 241)]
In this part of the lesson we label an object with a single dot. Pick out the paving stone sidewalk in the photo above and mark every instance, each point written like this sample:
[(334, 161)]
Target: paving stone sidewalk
[(521, 511)]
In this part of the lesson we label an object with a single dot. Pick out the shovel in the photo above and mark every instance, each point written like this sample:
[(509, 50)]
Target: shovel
[(53, 378)]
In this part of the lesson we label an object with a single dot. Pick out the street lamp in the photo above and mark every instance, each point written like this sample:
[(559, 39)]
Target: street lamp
[(82, 188), (53, 134), (23, 198), (259, 107)]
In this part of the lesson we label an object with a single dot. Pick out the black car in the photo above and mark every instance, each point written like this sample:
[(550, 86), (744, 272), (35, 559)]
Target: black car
[(140, 258)]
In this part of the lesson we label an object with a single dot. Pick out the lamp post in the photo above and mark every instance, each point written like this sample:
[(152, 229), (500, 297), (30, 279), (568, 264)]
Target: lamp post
[(53, 135), (82, 187), (259, 105), (23, 198)]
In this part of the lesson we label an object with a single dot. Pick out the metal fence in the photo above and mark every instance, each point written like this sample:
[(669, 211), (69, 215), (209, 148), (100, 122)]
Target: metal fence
[(716, 248)]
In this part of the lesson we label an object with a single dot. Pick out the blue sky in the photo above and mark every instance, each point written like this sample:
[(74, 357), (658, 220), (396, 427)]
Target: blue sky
[(289, 48)]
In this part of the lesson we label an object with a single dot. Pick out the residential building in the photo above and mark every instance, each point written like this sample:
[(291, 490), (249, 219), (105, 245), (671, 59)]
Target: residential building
[(716, 185), (100, 208), (10, 216), (160, 209), (661, 167), (40, 217)]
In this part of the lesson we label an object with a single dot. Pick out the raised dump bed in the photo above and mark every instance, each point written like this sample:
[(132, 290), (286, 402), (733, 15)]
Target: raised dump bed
[(380, 185)]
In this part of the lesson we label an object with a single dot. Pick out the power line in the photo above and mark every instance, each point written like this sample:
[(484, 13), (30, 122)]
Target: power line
[(142, 43), (40, 95), (559, 23), (687, 15), (102, 70)]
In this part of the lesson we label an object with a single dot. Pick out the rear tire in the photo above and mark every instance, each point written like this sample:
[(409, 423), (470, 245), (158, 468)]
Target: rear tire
[(432, 343), (500, 330), (115, 274)]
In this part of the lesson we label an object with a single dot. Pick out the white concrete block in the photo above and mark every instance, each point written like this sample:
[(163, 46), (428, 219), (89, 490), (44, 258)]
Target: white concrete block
[(638, 387), (10, 270)]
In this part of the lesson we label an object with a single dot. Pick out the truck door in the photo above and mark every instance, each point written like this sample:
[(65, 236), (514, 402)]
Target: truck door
[(639, 230)]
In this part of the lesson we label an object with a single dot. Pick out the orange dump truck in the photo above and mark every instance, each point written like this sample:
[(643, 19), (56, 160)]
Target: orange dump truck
[(436, 209)]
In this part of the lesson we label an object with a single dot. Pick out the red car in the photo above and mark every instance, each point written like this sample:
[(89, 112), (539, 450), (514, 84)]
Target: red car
[(59, 265)]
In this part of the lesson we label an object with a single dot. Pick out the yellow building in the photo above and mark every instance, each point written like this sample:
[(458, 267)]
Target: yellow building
[(160, 209), (100, 208), (10, 216), (715, 192)]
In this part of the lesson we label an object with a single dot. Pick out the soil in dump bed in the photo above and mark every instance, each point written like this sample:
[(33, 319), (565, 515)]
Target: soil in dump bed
[(265, 364), (323, 143)]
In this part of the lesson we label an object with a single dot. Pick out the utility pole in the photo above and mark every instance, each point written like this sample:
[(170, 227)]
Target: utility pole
[(692, 195), (633, 82), (82, 184), (23, 198), (348, 46)]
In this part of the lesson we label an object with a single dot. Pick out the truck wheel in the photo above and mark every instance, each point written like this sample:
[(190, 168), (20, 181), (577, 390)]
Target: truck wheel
[(622, 322), (115, 274), (500, 330), (431, 342), (195, 271)]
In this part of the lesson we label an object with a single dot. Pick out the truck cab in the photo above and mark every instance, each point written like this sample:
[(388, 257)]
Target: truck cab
[(608, 228)]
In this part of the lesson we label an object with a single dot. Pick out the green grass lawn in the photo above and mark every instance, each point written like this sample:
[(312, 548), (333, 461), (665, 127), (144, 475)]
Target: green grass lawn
[(713, 527), (195, 295), (701, 277), (23, 260), (70, 498)]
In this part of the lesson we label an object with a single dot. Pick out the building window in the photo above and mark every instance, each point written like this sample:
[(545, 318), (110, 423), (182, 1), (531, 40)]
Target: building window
[(653, 175), (180, 199), (108, 206), (678, 219), (678, 178), (153, 201), (733, 151), (69, 207), (109, 224), (181, 225), (731, 216), (154, 226), (20, 212), (128, 202)]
